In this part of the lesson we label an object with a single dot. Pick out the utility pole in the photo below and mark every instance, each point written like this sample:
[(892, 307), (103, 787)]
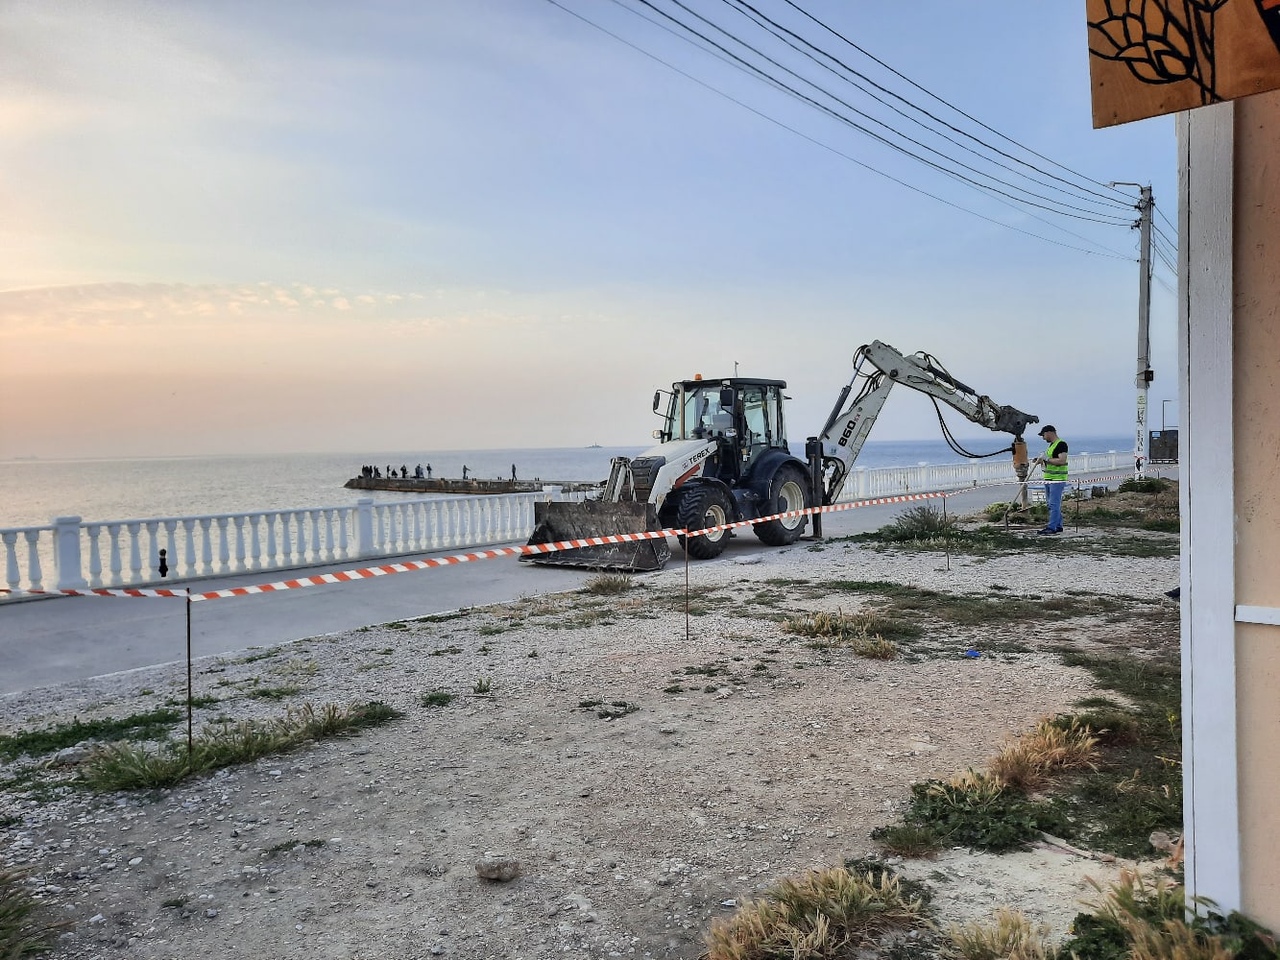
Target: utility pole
[(1146, 206), (1145, 374)]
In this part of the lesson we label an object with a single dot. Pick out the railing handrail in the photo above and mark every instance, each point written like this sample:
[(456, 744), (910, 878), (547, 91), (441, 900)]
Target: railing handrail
[(196, 546)]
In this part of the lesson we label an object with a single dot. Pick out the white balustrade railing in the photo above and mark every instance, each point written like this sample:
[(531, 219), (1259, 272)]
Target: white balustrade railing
[(863, 483), (116, 553), (71, 553)]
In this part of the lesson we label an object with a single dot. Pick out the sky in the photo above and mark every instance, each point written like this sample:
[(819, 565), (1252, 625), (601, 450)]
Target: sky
[(255, 227)]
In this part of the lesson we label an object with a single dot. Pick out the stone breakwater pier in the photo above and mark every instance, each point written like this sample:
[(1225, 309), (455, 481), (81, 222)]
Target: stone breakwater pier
[(472, 485)]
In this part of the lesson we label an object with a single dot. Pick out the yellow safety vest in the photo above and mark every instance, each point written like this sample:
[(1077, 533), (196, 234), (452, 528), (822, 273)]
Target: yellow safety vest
[(1054, 471)]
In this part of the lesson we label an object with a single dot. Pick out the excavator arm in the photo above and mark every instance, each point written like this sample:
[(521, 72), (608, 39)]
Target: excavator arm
[(846, 429)]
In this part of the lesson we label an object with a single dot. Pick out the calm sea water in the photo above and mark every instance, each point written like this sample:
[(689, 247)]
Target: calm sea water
[(34, 491)]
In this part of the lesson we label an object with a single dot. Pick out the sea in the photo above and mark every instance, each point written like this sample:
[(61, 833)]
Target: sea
[(34, 491)]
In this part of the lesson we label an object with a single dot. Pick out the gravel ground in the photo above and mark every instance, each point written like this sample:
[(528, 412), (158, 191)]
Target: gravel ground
[(630, 832)]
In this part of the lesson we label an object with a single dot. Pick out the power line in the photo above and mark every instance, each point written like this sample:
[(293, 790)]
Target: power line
[(1061, 208), (945, 103), (778, 29), (1160, 214), (1099, 251)]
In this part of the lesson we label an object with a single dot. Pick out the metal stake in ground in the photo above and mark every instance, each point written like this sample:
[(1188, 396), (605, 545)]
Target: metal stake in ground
[(189, 705), (686, 589), (946, 532)]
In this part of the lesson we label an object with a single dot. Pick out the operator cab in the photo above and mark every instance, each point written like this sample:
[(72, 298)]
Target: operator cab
[(744, 416)]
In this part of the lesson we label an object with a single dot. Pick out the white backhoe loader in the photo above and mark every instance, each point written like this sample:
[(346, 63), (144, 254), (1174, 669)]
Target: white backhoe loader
[(723, 457)]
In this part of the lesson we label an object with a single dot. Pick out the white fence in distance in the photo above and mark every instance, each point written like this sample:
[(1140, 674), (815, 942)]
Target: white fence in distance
[(118, 553)]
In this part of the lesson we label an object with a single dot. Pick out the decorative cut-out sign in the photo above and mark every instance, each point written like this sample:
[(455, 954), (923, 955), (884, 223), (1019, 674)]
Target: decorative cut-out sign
[(1149, 57)]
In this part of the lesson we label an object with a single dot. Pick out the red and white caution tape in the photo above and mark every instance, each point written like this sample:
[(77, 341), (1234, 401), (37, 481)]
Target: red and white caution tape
[(408, 566), (101, 592)]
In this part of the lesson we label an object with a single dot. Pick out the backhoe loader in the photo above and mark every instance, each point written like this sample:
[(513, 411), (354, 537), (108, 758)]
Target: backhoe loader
[(723, 457)]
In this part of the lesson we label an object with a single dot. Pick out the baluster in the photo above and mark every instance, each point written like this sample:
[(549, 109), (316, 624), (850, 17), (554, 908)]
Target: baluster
[(433, 525), (507, 531), (189, 546), (269, 560), (171, 536), (455, 523), (92, 531), (316, 554), (255, 543), (12, 574), (393, 535), (224, 548), (153, 554), (286, 539), (206, 546), (239, 521), (415, 540), (135, 552), (35, 578), (113, 534), (343, 544), (402, 529), (300, 522)]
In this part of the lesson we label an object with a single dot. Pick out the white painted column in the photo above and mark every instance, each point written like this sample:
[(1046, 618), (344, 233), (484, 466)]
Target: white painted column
[(1205, 319)]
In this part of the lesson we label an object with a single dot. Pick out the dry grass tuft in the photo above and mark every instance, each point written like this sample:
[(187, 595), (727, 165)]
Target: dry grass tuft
[(979, 785), (608, 584), (1153, 917), (1009, 936), (24, 926), (1029, 762), (856, 631), (824, 913)]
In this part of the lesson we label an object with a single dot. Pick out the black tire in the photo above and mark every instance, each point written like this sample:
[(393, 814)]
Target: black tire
[(702, 506), (788, 490)]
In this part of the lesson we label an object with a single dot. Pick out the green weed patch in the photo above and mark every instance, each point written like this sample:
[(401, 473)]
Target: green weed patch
[(152, 725), (127, 766)]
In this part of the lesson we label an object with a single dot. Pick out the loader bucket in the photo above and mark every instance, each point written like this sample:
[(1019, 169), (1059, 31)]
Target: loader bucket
[(558, 520)]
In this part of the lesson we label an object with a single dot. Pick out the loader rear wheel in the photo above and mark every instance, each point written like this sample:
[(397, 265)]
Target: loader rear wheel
[(788, 491), (704, 506)]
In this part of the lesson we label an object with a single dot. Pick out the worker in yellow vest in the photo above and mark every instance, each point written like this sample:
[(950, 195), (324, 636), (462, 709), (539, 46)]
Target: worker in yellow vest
[(1054, 463)]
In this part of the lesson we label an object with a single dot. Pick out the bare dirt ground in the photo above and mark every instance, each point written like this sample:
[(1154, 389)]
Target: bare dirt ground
[(749, 756)]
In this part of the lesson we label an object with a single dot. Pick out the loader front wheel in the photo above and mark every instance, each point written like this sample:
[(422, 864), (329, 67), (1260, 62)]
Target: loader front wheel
[(704, 506), (788, 491)]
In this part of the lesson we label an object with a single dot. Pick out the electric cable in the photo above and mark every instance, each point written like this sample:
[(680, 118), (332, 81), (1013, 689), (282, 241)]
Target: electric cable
[(1099, 251), (835, 114), (951, 106), (777, 30)]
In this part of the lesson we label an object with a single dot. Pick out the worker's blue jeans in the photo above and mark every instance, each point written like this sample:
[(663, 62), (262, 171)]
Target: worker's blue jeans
[(1053, 492)]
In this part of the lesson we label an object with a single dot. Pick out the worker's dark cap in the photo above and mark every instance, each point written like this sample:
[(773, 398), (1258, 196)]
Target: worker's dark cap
[(1047, 428)]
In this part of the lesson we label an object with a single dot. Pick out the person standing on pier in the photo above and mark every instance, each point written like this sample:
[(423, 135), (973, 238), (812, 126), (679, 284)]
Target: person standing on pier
[(513, 473), (464, 471), (428, 471)]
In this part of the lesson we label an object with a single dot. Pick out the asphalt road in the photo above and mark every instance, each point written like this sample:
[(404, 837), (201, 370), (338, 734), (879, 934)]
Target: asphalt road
[(61, 639)]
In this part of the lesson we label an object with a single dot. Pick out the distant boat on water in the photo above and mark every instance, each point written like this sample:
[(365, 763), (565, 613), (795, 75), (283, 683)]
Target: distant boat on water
[(594, 446)]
